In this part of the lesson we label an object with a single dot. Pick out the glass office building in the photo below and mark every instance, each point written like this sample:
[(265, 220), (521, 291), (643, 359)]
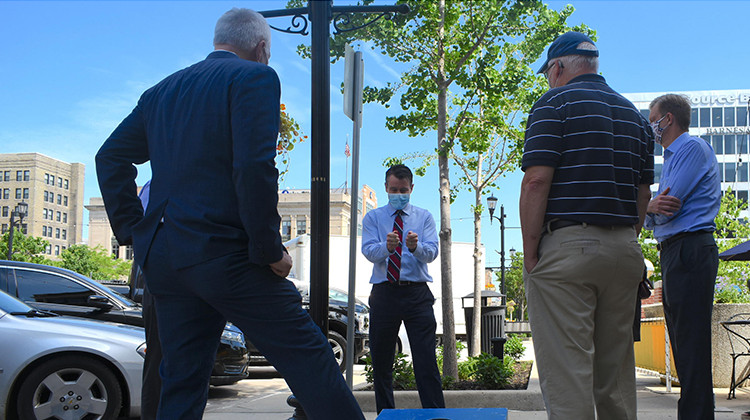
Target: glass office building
[(721, 118)]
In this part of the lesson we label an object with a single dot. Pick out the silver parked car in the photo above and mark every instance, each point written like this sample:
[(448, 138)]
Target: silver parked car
[(55, 367)]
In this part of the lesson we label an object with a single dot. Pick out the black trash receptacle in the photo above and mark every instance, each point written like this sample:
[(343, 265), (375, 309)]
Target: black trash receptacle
[(492, 318)]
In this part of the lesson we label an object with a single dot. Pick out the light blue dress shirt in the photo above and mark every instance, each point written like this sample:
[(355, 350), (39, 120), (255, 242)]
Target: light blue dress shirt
[(379, 222), (691, 171), (143, 195)]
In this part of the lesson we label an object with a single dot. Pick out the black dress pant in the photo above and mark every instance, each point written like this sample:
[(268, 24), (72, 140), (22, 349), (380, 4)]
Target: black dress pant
[(689, 267), (389, 306), (151, 379)]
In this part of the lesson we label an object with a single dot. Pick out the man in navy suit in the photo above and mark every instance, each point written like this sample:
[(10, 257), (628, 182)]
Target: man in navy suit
[(209, 241)]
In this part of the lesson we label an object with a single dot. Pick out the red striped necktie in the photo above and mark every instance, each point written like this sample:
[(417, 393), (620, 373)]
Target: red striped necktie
[(394, 260)]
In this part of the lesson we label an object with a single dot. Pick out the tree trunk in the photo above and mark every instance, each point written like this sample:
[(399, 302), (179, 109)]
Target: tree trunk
[(476, 336), (450, 362)]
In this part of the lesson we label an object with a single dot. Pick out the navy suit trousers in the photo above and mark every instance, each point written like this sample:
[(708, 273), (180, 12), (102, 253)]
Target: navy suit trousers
[(151, 379), (389, 306), (689, 267), (192, 305)]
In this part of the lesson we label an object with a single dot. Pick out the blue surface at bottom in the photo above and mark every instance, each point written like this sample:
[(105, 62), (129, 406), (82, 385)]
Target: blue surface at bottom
[(445, 414)]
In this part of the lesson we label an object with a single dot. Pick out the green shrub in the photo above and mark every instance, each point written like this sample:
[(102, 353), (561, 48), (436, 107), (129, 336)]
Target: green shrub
[(403, 372), (439, 355), (514, 347), (448, 382), (466, 368), (491, 372)]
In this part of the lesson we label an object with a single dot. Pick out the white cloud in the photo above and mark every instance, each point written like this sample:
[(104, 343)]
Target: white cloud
[(380, 65)]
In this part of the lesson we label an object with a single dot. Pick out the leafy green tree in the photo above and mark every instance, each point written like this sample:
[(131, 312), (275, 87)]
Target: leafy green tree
[(732, 230), (289, 135), (455, 51), (514, 287), (25, 248), (95, 263)]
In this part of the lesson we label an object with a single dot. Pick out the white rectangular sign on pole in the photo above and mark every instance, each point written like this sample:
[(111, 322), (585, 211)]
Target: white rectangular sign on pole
[(354, 71)]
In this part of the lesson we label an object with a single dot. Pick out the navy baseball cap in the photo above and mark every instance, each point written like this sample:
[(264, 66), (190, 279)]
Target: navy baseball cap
[(567, 44)]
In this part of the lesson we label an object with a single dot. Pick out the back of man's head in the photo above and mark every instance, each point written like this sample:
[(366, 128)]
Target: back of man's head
[(678, 105), (579, 64), (243, 29), (577, 52)]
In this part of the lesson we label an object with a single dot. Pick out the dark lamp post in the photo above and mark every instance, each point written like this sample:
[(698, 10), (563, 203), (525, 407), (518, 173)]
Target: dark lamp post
[(319, 15), (21, 211), (492, 205)]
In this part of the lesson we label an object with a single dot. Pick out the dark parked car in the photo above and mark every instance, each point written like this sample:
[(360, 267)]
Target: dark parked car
[(65, 292), (337, 320), (338, 301)]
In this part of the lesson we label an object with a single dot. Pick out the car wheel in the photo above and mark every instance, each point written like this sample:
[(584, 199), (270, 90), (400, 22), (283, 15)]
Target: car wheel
[(69, 387), (338, 345)]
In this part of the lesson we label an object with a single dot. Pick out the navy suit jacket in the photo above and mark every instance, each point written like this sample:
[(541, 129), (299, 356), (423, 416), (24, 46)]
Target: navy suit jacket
[(210, 133)]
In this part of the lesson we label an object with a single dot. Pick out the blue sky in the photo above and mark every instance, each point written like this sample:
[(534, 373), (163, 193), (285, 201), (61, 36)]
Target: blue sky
[(70, 71)]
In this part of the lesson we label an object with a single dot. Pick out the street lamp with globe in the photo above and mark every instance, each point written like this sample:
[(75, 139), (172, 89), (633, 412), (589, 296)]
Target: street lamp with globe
[(21, 211)]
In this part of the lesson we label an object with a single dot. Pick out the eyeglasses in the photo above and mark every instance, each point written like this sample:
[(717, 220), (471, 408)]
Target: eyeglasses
[(549, 67)]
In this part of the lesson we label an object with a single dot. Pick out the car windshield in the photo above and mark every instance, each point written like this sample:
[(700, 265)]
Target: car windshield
[(10, 304), (333, 293), (336, 294)]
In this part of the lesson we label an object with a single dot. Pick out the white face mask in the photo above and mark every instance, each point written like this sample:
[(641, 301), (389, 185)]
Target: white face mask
[(657, 129)]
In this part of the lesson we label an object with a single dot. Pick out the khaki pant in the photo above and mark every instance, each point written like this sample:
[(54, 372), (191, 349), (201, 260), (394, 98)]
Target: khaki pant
[(580, 298)]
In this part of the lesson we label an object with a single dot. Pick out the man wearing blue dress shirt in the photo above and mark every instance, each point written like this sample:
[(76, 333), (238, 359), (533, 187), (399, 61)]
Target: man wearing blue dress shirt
[(682, 218), (400, 240)]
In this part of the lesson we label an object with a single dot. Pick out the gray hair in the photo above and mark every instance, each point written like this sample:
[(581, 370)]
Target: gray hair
[(243, 29), (678, 105), (582, 62)]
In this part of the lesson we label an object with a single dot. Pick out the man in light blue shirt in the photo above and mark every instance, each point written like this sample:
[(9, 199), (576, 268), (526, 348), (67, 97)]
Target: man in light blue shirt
[(400, 239), (682, 218)]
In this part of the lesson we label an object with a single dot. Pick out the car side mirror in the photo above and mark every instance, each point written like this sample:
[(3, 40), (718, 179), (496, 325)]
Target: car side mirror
[(101, 302)]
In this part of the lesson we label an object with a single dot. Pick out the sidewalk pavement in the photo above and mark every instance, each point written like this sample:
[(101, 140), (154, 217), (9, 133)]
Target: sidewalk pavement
[(654, 403)]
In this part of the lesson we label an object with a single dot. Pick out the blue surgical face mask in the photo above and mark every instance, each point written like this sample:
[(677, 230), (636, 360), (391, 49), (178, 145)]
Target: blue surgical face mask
[(398, 201)]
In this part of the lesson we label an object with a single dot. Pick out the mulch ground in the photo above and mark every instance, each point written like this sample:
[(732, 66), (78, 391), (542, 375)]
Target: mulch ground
[(519, 380)]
